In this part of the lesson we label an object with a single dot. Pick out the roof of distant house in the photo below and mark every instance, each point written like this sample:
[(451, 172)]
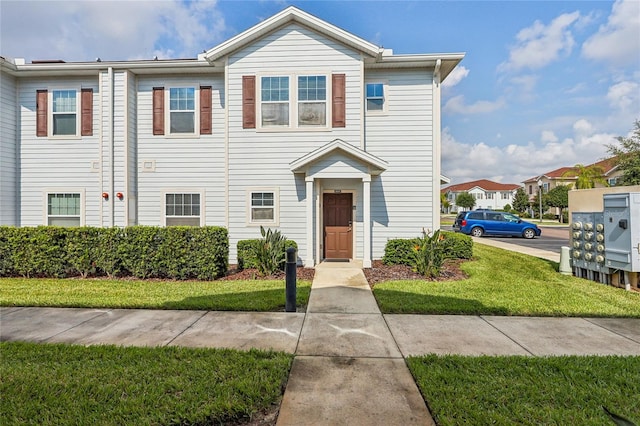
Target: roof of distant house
[(607, 165), (485, 184)]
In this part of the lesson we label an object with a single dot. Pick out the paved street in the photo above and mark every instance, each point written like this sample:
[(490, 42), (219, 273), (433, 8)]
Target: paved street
[(552, 238)]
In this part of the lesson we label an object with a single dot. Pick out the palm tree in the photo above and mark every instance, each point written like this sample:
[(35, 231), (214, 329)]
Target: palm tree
[(587, 176)]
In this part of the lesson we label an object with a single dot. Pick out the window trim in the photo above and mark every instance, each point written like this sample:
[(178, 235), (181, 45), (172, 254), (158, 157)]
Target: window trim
[(294, 102), (50, 112), (163, 203), (167, 110), (276, 206), (57, 190)]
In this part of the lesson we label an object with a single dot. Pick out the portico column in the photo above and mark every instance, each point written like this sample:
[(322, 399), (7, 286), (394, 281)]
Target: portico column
[(309, 262), (366, 219)]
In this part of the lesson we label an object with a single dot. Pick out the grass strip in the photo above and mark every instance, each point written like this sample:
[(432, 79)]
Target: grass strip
[(510, 390), (109, 385), (249, 295), (502, 282)]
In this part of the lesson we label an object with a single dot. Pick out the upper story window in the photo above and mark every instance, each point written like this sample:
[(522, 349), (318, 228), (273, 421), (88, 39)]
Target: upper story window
[(545, 187), (65, 112), (182, 110), (506, 195), (275, 101), (375, 97), (63, 209), (612, 181), (312, 100), (490, 195)]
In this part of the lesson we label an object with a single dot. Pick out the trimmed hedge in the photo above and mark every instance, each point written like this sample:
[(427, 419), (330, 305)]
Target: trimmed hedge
[(400, 251), (179, 252), (247, 249)]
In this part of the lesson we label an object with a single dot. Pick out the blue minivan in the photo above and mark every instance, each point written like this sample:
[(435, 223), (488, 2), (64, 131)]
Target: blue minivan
[(480, 222)]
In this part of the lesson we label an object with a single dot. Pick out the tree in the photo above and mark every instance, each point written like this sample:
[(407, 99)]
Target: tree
[(465, 200), (558, 197), (587, 176), (444, 203), (628, 157), (520, 201), (535, 204)]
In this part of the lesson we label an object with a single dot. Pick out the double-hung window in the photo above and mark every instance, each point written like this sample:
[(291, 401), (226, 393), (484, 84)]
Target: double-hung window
[(182, 209), (182, 110), (312, 100), (63, 209), (262, 206), (375, 96), (64, 113), (274, 103)]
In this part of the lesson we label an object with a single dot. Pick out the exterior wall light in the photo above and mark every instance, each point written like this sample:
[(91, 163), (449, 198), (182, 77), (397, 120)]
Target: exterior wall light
[(119, 195), (105, 195)]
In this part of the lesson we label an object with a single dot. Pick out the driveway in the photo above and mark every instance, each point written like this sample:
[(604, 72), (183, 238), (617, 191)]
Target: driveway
[(552, 239)]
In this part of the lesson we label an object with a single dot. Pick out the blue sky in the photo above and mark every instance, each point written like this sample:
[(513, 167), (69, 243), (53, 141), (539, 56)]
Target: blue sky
[(544, 84)]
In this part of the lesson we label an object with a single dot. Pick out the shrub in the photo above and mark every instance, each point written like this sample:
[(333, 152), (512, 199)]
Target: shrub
[(270, 253), (401, 251), (247, 252), (457, 245), (141, 251), (507, 207), (82, 248)]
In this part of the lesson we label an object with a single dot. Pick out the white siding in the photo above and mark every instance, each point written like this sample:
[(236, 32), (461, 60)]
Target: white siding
[(401, 197), (182, 164), (261, 158), (56, 163), (9, 168)]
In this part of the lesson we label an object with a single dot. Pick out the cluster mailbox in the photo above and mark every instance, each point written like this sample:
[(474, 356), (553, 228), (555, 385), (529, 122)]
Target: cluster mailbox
[(605, 246)]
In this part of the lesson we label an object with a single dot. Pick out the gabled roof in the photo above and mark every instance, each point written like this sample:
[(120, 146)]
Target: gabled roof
[(608, 165), (484, 184), (376, 164), (289, 15), (561, 173)]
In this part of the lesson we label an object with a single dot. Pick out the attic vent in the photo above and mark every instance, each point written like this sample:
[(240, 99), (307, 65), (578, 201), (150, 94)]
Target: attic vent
[(48, 61)]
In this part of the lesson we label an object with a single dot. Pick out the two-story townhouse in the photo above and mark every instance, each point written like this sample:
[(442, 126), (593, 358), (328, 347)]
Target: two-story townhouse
[(488, 194), (292, 124)]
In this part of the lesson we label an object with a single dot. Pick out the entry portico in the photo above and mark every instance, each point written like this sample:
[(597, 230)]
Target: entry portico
[(338, 168)]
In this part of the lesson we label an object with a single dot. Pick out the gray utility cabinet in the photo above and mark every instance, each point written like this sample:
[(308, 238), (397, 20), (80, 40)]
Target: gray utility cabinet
[(587, 241), (622, 231)]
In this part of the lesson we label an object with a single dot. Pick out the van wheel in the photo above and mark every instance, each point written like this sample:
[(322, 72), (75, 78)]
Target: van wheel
[(529, 233), (477, 232)]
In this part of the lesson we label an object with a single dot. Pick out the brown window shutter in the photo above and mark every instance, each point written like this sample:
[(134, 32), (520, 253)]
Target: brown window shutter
[(205, 110), (338, 101), (249, 102), (87, 112), (158, 110), (41, 113)]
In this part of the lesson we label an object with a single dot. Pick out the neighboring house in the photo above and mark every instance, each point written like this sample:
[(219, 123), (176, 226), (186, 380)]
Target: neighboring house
[(568, 176), (293, 124), (488, 194)]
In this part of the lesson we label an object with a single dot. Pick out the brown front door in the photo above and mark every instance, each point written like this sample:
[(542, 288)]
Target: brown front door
[(338, 233)]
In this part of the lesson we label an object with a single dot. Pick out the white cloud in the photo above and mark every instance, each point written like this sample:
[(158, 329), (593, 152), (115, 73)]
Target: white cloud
[(624, 96), (618, 41), (548, 136), (456, 105), (111, 30), (458, 74), (514, 163), (538, 45)]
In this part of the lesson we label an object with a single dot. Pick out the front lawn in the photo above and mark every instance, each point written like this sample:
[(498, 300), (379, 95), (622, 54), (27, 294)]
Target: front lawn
[(507, 283), (527, 390), (245, 295), (109, 385)]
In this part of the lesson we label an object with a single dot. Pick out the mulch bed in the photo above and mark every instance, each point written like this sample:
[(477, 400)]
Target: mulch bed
[(378, 273)]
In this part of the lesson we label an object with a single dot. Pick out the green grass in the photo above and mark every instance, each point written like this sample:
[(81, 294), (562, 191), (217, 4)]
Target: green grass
[(528, 391), (250, 295), (109, 385), (506, 283)]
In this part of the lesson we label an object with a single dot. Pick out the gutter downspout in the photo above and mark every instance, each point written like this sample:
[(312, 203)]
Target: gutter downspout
[(111, 146), (437, 148)]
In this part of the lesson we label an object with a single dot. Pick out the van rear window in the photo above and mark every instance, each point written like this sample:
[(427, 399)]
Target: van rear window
[(476, 216)]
